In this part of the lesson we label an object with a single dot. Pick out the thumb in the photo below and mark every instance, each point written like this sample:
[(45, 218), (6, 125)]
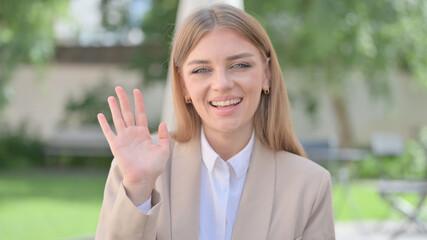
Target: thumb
[(163, 135)]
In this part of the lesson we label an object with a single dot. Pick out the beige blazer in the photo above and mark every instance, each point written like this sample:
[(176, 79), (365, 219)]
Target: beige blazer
[(285, 197)]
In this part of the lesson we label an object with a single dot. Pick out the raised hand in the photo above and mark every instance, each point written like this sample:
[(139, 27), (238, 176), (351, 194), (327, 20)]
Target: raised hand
[(139, 159)]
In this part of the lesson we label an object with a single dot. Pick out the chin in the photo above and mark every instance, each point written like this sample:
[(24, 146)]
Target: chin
[(227, 128)]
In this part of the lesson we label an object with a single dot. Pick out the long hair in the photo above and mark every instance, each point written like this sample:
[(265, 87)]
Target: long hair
[(272, 119)]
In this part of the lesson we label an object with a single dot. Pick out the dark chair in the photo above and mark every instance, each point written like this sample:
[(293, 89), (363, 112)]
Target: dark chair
[(322, 149)]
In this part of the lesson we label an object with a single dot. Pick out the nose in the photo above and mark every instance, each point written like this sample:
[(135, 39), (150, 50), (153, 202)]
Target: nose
[(222, 82)]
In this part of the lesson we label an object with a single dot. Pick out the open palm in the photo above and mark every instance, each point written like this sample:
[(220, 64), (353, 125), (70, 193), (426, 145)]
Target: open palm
[(139, 159)]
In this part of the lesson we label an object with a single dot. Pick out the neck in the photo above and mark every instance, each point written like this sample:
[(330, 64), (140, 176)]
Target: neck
[(226, 145)]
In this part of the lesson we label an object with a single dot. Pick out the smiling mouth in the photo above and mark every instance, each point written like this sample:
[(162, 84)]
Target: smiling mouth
[(227, 103)]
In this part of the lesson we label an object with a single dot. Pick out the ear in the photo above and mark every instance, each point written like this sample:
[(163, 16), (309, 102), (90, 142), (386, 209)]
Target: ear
[(267, 75)]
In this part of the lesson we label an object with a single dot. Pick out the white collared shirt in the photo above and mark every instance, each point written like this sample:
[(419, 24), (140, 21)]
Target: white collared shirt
[(221, 188)]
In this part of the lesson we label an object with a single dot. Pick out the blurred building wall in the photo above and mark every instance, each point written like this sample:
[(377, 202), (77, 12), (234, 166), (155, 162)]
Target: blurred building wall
[(41, 102), (403, 112)]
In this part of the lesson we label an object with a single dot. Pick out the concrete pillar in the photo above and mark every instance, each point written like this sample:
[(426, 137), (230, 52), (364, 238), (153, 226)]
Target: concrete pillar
[(185, 8)]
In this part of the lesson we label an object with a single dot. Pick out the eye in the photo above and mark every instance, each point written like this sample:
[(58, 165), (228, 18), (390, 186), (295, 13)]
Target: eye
[(200, 70), (240, 65)]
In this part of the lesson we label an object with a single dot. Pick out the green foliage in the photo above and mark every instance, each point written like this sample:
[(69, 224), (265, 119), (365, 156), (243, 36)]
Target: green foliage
[(411, 165), (415, 160), (26, 35), (158, 27), (411, 36), (82, 110), (152, 56), (19, 148), (328, 39), (79, 162)]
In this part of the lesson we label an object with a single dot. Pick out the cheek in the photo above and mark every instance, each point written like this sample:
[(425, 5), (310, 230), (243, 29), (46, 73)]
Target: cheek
[(190, 86), (253, 83), (253, 89), (195, 91)]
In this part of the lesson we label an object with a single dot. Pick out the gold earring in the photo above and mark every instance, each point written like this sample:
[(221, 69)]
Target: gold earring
[(187, 100), (266, 91)]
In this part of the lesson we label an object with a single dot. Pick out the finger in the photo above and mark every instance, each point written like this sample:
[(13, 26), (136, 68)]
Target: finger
[(108, 133), (163, 135), (115, 112), (125, 106), (140, 113)]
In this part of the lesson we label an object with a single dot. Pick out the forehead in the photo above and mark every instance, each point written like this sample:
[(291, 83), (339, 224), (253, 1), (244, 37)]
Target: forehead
[(220, 43)]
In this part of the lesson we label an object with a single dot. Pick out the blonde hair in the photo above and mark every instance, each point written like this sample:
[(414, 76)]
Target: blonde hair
[(272, 119)]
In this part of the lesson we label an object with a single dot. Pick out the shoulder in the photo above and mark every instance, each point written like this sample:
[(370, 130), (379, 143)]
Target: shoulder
[(300, 171), (295, 163), (300, 182)]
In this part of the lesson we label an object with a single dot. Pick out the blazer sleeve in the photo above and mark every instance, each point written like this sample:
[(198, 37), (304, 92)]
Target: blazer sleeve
[(320, 225), (120, 218)]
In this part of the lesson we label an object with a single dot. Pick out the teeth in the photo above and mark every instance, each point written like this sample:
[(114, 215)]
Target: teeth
[(225, 103)]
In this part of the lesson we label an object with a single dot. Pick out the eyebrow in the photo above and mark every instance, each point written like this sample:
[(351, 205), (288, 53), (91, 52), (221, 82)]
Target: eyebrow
[(238, 56), (230, 58)]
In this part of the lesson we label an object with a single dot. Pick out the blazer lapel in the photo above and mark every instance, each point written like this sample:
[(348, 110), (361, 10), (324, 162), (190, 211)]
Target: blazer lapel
[(256, 204), (185, 190)]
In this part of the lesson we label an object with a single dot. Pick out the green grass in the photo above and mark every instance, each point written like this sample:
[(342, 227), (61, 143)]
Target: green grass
[(51, 205), (361, 201)]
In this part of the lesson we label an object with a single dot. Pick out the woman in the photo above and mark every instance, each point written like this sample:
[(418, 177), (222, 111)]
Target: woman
[(233, 168)]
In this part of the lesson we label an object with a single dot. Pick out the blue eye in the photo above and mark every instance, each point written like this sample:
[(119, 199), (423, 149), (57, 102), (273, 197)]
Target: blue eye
[(241, 65), (200, 70)]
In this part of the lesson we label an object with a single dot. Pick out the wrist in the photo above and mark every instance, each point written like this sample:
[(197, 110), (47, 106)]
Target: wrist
[(138, 192)]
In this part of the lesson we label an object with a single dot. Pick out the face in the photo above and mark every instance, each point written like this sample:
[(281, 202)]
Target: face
[(224, 76)]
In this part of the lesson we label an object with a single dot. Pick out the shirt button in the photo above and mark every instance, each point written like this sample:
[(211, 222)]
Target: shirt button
[(223, 189)]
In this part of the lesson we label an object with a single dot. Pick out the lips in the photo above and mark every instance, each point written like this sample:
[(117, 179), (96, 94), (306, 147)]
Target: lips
[(225, 103), (225, 106)]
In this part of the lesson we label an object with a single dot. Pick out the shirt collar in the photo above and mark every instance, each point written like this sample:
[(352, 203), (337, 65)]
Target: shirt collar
[(239, 162)]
